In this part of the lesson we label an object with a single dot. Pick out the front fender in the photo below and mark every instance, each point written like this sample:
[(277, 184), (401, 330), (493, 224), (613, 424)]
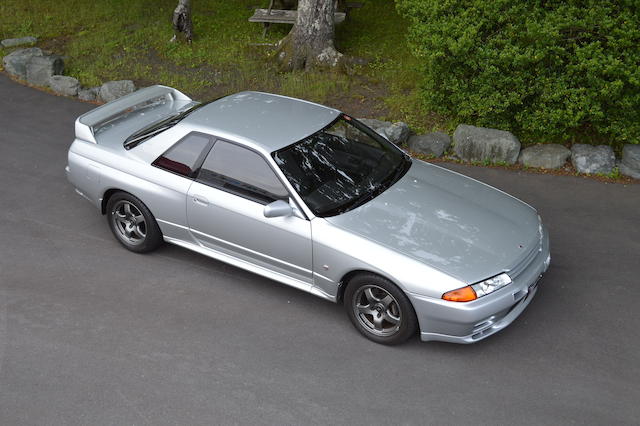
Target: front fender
[(337, 253)]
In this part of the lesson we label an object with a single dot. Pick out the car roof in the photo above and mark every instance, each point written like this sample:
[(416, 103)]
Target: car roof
[(268, 121)]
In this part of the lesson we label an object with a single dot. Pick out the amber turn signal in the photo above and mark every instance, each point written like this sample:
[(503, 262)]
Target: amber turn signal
[(464, 294)]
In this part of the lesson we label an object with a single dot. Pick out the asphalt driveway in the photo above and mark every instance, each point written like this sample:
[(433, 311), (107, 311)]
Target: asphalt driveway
[(93, 334)]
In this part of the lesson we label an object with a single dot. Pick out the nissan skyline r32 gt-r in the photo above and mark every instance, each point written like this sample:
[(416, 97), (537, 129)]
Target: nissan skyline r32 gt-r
[(308, 196)]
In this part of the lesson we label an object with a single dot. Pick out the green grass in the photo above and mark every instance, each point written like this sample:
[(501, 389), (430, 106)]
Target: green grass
[(614, 174), (129, 39)]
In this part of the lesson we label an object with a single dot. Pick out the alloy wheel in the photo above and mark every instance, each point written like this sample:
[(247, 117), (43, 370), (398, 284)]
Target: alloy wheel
[(377, 310), (129, 222)]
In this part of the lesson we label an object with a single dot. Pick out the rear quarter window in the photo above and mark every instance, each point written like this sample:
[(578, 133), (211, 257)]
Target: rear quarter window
[(186, 156)]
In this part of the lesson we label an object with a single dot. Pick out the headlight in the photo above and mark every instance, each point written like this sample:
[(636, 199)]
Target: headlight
[(492, 284), (474, 291), (539, 225), (540, 230)]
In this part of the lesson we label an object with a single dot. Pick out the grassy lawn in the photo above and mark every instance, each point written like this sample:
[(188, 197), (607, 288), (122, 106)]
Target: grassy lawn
[(129, 39)]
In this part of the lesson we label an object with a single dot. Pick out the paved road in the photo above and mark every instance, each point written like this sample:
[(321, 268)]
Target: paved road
[(92, 334)]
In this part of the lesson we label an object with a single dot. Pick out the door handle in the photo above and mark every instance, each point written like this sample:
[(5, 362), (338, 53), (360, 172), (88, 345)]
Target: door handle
[(199, 199)]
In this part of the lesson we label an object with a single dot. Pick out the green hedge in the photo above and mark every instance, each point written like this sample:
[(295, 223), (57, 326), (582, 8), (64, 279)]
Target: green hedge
[(549, 70)]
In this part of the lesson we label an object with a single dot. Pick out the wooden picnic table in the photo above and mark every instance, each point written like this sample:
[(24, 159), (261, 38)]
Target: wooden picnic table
[(278, 16)]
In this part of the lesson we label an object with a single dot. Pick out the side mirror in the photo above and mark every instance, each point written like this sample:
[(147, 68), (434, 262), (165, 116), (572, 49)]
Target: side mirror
[(278, 208)]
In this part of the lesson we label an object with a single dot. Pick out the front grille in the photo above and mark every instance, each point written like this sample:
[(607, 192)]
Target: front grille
[(524, 262)]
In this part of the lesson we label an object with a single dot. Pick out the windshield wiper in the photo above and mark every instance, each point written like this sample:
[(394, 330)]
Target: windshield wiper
[(139, 137), (159, 127)]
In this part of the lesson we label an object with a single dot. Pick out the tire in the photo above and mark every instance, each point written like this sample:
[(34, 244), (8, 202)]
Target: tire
[(379, 309), (132, 223)]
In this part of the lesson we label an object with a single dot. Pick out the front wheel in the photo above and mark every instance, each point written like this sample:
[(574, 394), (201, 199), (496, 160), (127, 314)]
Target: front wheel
[(132, 223), (379, 309)]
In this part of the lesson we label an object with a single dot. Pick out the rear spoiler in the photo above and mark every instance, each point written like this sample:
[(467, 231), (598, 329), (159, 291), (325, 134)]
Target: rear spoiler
[(87, 123)]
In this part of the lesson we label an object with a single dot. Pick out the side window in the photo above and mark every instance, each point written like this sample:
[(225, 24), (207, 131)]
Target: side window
[(186, 155), (243, 172)]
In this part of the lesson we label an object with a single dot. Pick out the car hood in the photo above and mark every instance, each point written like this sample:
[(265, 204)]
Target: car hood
[(450, 222)]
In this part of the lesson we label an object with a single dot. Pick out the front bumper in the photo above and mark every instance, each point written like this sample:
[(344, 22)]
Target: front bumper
[(469, 322)]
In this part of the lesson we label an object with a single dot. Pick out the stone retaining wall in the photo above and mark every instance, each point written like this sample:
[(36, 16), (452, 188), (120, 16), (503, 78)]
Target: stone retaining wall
[(469, 143)]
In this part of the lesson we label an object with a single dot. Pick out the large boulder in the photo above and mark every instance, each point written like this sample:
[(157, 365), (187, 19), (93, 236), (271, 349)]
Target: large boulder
[(89, 94), (547, 156), (63, 85), (630, 164), (13, 42), (15, 63), (434, 144), (112, 90), (593, 159), (41, 68), (473, 143), (397, 133)]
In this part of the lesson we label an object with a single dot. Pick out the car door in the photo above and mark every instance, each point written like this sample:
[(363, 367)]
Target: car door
[(178, 167), (225, 212)]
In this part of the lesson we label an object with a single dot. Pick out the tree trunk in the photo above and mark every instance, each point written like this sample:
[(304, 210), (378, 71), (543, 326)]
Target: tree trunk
[(285, 4), (309, 44), (182, 20)]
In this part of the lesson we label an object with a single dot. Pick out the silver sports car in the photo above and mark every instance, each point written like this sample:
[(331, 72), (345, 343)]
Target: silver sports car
[(310, 197)]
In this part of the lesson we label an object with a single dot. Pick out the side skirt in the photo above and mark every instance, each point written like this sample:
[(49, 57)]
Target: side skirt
[(251, 267)]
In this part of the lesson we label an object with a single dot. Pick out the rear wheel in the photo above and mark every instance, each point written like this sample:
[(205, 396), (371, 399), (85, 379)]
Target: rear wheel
[(132, 223), (379, 309)]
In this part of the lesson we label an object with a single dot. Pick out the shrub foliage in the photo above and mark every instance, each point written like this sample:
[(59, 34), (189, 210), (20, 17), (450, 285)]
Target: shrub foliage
[(551, 70)]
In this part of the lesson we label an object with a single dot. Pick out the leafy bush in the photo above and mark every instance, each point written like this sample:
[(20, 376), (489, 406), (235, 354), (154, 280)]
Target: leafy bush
[(556, 69)]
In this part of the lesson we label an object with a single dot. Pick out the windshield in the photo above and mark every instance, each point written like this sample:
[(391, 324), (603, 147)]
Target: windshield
[(341, 167)]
